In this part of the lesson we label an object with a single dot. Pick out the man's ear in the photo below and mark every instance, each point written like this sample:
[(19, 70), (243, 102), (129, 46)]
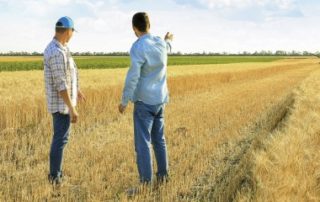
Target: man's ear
[(134, 28), (136, 31)]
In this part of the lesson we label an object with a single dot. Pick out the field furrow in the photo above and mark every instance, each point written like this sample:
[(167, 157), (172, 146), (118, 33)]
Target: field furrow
[(211, 111)]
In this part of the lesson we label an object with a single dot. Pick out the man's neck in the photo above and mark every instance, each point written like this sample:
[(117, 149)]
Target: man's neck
[(143, 33), (60, 40)]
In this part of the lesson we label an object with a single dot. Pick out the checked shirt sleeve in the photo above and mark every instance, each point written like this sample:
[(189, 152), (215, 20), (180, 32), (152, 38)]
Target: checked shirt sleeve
[(78, 84), (58, 69)]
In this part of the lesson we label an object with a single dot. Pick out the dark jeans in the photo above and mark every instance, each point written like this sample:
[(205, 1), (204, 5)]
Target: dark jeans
[(61, 128), (149, 129)]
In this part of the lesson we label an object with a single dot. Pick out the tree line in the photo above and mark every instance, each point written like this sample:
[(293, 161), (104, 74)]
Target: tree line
[(244, 53)]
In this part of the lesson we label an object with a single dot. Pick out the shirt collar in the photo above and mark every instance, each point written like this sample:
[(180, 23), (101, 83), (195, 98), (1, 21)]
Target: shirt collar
[(59, 44), (144, 36)]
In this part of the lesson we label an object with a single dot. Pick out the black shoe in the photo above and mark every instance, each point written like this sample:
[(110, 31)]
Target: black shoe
[(133, 192), (143, 188), (162, 179), (55, 181)]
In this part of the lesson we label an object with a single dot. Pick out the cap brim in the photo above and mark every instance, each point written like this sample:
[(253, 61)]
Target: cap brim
[(74, 30)]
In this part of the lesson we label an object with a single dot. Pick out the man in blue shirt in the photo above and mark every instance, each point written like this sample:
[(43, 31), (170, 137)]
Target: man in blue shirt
[(146, 87)]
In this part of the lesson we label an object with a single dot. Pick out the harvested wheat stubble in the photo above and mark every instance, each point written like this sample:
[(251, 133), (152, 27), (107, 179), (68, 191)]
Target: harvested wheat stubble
[(208, 108)]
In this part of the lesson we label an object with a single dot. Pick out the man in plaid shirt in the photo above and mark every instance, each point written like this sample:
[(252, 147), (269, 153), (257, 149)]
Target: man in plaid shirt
[(62, 91)]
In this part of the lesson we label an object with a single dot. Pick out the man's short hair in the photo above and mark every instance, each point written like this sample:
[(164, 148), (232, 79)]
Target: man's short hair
[(141, 21), (60, 29)]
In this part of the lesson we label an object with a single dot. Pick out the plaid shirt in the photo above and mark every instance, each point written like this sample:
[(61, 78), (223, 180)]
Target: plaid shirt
[(59, 76)]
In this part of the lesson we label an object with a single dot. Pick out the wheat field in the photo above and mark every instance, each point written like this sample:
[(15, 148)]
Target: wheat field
[(212, 110), (288, 168)]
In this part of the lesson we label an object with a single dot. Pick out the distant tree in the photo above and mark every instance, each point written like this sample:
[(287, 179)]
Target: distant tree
[(280, 53)]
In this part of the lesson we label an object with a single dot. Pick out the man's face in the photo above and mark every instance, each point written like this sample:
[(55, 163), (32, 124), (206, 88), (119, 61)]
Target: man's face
[(69, 34)]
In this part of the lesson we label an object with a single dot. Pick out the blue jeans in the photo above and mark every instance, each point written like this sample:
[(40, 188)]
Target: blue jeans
[(61, 129), (149, 129)]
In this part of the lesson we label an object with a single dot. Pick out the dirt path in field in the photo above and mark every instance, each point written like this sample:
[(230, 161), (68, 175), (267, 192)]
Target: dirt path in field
[(262, 103), (234, 159)]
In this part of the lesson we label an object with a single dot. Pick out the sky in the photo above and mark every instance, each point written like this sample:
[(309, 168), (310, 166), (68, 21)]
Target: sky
[(198, 25)]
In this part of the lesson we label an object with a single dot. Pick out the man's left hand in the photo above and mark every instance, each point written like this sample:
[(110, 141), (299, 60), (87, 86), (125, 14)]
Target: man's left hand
[(122, 108), (168, 36)]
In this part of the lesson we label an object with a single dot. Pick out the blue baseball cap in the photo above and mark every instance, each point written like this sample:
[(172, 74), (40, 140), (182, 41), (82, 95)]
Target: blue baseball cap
[(65, 22)]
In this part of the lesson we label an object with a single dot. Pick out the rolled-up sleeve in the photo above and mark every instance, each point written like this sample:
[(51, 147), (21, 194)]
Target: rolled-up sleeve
[(57, 65), (77, 74), (133, 75)]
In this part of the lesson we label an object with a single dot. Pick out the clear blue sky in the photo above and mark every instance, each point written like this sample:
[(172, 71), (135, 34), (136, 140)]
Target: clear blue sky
[(198, 25)]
